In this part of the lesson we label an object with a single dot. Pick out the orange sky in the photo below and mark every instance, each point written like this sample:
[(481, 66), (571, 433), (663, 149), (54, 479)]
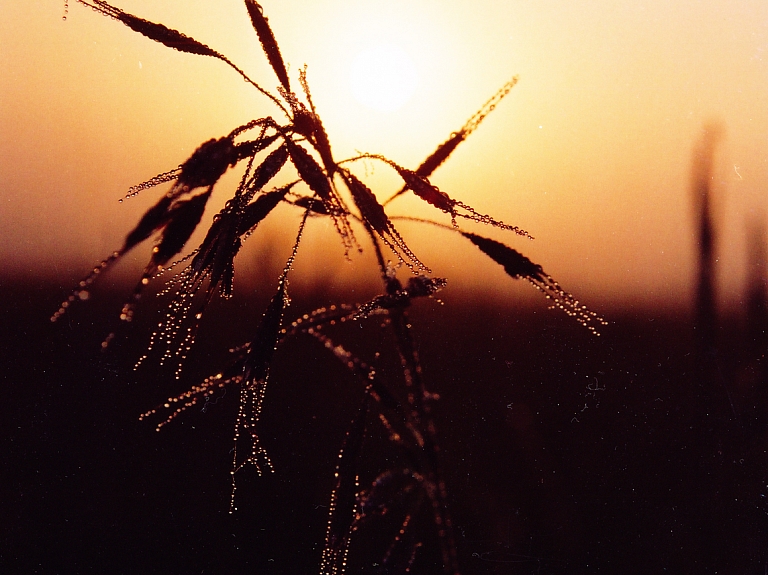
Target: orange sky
[(591, 151)]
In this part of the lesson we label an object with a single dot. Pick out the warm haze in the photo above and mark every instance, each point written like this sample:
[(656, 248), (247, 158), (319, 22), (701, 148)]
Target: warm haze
[(590, 152)]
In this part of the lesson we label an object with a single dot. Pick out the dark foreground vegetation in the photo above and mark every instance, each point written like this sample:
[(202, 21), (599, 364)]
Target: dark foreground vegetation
[(564, 453), (398, 519)]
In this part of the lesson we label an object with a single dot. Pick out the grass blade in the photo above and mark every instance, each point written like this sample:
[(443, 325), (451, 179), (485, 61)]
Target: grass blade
[(268, 169), (431, 194), (255, 372), (343, 505), (515, 264), (518, 266), (373, 214), (265, 340), (206, 165), (314, 176), (252, 147), (157, 32), (311, 172), (444, 150), (260, 209), (153, 219), (268, 42), (183, 219), (171, 38)]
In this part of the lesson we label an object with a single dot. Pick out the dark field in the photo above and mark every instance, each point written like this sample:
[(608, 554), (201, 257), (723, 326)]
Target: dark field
[(564, 453)]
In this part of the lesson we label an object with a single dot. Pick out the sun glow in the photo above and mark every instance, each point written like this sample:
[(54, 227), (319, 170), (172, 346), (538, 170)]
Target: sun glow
[(621, 95), (383, 77)]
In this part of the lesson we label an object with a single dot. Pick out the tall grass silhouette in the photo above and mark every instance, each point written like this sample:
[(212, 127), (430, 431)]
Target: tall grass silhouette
[(706, 319), (404, 498)]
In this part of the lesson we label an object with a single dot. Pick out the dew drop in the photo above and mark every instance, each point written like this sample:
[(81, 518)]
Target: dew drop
[(107, 340)]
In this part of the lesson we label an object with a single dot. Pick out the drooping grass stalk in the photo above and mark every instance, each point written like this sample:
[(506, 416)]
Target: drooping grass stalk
[(323, 188)]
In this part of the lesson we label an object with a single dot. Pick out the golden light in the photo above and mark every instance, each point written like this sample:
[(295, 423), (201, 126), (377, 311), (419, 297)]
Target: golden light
[(620, 92), (383, 77)]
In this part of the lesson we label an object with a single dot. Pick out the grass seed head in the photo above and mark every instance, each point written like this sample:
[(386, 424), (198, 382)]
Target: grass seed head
[(157, 32), (182, 222), (206, 165), (268, 42)]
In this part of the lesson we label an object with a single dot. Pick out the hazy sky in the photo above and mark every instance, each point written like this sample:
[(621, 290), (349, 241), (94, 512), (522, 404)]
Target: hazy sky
[(590, 152)]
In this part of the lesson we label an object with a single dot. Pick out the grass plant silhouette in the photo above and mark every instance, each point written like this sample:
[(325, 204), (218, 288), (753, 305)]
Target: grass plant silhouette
[(405, 496)]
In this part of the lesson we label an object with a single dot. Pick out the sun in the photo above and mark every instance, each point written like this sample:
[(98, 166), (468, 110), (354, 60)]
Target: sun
[(383, 77)]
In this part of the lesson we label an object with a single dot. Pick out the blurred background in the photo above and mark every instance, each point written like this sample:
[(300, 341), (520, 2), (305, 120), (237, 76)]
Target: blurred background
[(636, 131), (591, 152)]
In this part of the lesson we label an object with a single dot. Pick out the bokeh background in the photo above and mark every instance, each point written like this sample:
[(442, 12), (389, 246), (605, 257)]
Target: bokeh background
[(591, 152), (637, 451)]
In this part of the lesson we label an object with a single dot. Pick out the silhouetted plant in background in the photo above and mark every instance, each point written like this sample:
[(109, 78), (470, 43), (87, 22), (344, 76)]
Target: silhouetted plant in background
[(706, 319), (322, 188)]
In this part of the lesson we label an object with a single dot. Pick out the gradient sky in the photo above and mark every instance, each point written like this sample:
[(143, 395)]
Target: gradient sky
[(591, 152)]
